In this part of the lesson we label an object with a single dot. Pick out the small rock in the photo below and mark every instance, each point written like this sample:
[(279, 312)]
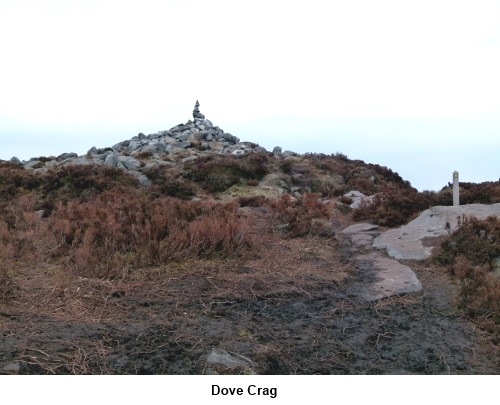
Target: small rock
[(15, 160), (144, 180), (51, 164), (360, 228), (231, 138), (220, 361), (129, 162), (276, 150), (111, 160), (93, 149), (33, 164), (65, 156), (13, 367)]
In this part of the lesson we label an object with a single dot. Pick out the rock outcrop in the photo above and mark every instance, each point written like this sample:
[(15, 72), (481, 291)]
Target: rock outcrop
[(380, 277), (389, 277), (414, 241)]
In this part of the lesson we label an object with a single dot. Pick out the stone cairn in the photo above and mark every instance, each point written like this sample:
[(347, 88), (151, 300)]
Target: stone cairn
[(199, 132), (196, 112)]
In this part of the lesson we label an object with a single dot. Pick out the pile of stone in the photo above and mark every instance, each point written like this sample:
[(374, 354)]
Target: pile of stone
[(197, 131), (194, 137)]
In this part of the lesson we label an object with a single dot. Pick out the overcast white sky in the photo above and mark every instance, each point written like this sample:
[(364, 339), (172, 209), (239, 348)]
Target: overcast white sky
[(411, 85)]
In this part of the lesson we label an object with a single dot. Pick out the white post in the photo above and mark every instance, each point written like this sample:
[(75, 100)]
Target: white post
[(456, 195)]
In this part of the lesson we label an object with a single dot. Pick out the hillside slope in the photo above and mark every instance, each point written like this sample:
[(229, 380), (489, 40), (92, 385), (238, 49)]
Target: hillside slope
[(147, 256)]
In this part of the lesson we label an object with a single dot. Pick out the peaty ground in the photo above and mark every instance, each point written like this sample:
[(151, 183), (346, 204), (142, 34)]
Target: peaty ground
[(288, 305)]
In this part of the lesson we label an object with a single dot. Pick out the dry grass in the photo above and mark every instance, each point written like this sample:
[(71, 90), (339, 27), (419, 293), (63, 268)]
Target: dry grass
[(112, 232), (468, 253), (307, 215)]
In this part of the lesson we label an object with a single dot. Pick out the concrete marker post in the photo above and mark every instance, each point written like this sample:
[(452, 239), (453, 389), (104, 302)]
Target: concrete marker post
[(456, 193)]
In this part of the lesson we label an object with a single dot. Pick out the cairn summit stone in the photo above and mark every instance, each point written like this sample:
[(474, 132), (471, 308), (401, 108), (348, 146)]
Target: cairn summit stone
[(196, 111)]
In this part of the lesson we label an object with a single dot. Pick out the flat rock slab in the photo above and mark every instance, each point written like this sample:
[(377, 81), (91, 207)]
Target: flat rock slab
[(389, 277), (405, 243), (361, 239), (360, 228)]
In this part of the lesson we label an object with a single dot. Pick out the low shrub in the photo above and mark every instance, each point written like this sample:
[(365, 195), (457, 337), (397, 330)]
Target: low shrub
[(252, 201), (477, 241), (115, 230), (15, 180), (299, 217), (480, 292), (473, 193), (468, 253), (168, 181), (218, 173), (395, 206)]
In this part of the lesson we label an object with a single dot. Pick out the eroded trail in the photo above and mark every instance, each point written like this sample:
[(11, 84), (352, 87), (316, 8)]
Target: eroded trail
[(293, 307)]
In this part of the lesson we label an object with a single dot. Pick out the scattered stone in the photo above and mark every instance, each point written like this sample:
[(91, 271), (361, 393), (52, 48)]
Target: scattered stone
[(179, 128), (231, 138), (182, 145), (144, 180), (51, 164), (65, 156), (93, 150), (129, 162), (358, 198), (183, 137), (111, 160), (34, 164)]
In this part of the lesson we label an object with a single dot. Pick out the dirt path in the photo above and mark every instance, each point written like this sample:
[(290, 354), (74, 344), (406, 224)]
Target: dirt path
[(291, 308)]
